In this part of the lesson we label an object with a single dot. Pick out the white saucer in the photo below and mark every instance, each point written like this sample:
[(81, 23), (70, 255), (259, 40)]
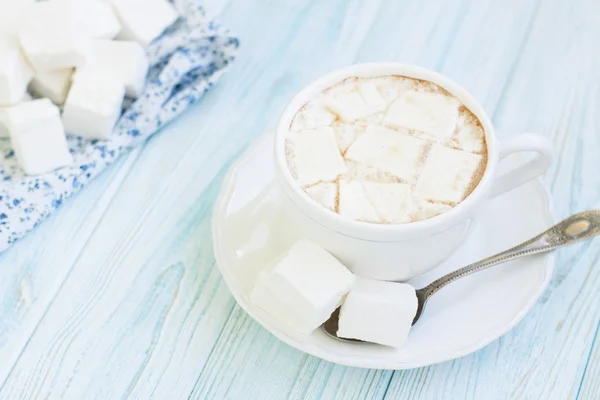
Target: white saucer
[(460, 319)]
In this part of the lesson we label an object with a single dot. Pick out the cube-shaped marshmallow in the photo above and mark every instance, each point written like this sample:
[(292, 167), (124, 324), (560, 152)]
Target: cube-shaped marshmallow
[(469, 134), (15, 72), (355, 204), (53, 84), (37, 136), (423, 209), (93, 106), (378, 312), (315, 156), (389, 151), (12, 15), (346, 134), (99, 19), (352, 102), (53, 37), (120, 61), (312, 115), (143, 20), (447, 174), (303, 288), (392, 201), (434, 114), (325, 194)]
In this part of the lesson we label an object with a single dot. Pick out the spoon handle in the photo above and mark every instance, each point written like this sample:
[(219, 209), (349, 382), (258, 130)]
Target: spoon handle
[(571, 230)]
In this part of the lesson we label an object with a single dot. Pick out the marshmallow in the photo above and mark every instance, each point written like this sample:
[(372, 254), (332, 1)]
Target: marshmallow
[(390, 87), (378, 312), (469, 134), (355, 204), (447, 174), (324, 194), (389, 151), (303, 288), (37, 136), (422, 209), (93, 106), (354, 101), (434, 114), (143, 20), (12, 14), (52, 37), (15, 72), (125, 62), (98, 18), (312, 115), (392, 201), (53, 85), (315, 156), (346, 134)]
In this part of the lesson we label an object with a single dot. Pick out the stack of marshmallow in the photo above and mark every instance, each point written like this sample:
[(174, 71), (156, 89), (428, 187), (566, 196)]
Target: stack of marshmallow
[(64, 52), (307, 284)]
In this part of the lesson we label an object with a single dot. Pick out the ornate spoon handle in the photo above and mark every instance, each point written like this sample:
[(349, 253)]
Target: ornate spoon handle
[(573, 229)]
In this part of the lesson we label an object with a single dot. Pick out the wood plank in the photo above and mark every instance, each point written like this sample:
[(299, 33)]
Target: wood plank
[(144, 291), (248, 362), (546, 355), (34, 269), (590, 384)]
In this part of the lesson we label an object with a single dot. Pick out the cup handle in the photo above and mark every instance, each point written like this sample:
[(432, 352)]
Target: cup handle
[(528, 171)]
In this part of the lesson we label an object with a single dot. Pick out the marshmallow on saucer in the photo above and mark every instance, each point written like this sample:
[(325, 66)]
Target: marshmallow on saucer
[(303, 288), (447, 174), (434, 114), (37, 136), (93, 106), (354, 101), (315, 156), (378, 312), (121, 61), (15, 72), (52, 84), (143, 20), (389, 151), (53, 37)]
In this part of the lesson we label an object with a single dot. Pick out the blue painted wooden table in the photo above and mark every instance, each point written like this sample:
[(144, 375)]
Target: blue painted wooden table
[(118, 296)]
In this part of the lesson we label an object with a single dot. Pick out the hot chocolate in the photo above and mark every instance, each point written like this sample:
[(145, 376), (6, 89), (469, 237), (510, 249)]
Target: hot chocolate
[(387, 150)]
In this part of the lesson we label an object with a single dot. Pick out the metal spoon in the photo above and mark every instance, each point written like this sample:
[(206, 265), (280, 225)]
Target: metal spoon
[(576, 228)]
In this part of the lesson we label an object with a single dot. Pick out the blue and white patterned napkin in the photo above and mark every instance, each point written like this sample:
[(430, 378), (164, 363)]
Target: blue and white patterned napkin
[(186, 61)]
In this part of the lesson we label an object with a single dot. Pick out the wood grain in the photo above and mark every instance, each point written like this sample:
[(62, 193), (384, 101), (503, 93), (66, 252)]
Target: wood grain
[(32, 272), (118, 295)]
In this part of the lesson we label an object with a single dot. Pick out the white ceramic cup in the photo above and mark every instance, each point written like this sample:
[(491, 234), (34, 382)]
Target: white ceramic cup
[(403, 251)]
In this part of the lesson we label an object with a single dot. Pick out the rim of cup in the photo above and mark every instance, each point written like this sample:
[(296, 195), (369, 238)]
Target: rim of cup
[(370, 230)]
